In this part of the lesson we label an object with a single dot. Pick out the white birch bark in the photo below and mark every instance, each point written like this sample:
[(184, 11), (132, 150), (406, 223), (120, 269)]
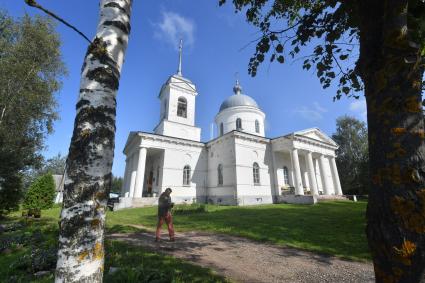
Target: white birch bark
[(89, 164)]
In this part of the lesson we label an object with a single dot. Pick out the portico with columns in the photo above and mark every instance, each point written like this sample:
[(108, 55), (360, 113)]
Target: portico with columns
[(310, 156)]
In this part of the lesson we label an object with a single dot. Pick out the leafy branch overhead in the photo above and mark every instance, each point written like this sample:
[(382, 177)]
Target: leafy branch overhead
[(289, 27)]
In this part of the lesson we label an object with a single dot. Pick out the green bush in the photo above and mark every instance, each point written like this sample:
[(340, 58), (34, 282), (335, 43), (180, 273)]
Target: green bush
[(40, 194), (184, 209)]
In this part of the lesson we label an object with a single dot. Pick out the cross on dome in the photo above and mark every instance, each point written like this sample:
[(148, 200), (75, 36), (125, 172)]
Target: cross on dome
[(237, 89)]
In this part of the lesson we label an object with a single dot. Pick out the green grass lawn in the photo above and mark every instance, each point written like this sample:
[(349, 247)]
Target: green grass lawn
[(32, 247), (335, 228)]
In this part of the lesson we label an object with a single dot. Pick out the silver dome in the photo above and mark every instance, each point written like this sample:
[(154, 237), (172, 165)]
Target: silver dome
[(238, 100)]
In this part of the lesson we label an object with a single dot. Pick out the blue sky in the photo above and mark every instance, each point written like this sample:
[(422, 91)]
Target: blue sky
[(214, 38)]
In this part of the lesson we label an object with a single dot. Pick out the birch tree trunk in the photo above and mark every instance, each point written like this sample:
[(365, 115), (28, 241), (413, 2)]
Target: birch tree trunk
[(89, 164)]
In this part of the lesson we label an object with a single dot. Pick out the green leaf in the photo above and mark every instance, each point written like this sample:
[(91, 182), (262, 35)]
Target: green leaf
[(281, 59), (279, 48), (260, 57)]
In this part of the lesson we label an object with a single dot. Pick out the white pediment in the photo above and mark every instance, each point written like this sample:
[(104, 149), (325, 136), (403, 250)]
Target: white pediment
[(316, 134)]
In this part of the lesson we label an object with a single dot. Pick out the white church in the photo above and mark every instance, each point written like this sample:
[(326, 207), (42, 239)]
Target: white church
[(239, 167)]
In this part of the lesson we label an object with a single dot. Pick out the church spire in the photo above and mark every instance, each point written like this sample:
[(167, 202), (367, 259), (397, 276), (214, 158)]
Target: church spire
[(179, 70), (237, 89)]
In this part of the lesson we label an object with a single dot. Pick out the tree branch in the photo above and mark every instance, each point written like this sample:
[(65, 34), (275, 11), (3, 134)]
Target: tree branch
[(34, 4), (339, 66)]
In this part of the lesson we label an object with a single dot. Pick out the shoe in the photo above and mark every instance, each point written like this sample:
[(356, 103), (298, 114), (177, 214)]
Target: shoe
[(172, 240), (156, 240)]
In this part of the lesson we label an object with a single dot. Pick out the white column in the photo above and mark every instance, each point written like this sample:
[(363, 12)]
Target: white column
[(140, 173), (296, 165), (312, 176), (132, 176), (325, 181), (124, 184), (335, 176), (306, 180), (274, 171)]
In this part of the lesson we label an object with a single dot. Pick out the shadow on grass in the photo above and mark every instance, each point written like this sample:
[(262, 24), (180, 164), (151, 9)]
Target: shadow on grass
[(139, 265)]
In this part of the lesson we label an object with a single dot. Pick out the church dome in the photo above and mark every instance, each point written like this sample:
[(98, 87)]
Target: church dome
[(238, 99)]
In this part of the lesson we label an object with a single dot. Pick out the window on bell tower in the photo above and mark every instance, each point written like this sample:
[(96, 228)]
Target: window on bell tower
[(182, 107)]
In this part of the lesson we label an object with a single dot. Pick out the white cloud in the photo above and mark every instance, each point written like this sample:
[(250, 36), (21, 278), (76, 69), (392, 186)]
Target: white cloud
[(313, 113), (174, 27), (359, 108)]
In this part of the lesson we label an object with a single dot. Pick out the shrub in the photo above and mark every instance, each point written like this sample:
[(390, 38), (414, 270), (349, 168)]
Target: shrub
[(40, 194), (189, 209)]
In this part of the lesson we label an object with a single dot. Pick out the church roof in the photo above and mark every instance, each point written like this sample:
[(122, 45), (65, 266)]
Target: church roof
[(238, 99)]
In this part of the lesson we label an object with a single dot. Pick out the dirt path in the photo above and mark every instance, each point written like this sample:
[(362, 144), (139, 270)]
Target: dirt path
[(244, 260)]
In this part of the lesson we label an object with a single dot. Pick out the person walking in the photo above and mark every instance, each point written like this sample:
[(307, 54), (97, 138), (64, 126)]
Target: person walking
[(164, 214)]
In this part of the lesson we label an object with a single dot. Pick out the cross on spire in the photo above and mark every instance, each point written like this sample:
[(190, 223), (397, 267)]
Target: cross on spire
[(179, 70)]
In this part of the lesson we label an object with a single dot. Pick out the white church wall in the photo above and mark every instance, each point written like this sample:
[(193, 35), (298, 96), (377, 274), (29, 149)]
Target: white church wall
[(173, 129), (247, 152), (222, 151), (248, 115), (172, 174)]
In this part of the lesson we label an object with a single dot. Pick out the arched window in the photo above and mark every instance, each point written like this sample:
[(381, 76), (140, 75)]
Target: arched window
[(220, 174), (186, 175), (238, 124), (256, 173), (285, 175), (221, 129), (182, 107), (257, 126)]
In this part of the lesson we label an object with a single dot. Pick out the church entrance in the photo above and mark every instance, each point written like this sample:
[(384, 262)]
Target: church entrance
[(150, 183)]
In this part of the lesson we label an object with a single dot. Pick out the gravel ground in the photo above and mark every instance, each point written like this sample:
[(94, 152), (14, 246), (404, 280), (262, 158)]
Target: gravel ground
[(243, 260)]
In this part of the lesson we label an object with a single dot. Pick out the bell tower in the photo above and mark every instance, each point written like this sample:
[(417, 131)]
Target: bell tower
[(177, 96)]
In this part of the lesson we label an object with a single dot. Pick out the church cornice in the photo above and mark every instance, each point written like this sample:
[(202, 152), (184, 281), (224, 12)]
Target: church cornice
[(238, 134), (250, 137), (168, 139), (190, 89), (311, 141)]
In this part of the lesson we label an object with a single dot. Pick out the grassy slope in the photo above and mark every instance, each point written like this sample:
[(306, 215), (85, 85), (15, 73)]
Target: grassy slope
[(335, 228)]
